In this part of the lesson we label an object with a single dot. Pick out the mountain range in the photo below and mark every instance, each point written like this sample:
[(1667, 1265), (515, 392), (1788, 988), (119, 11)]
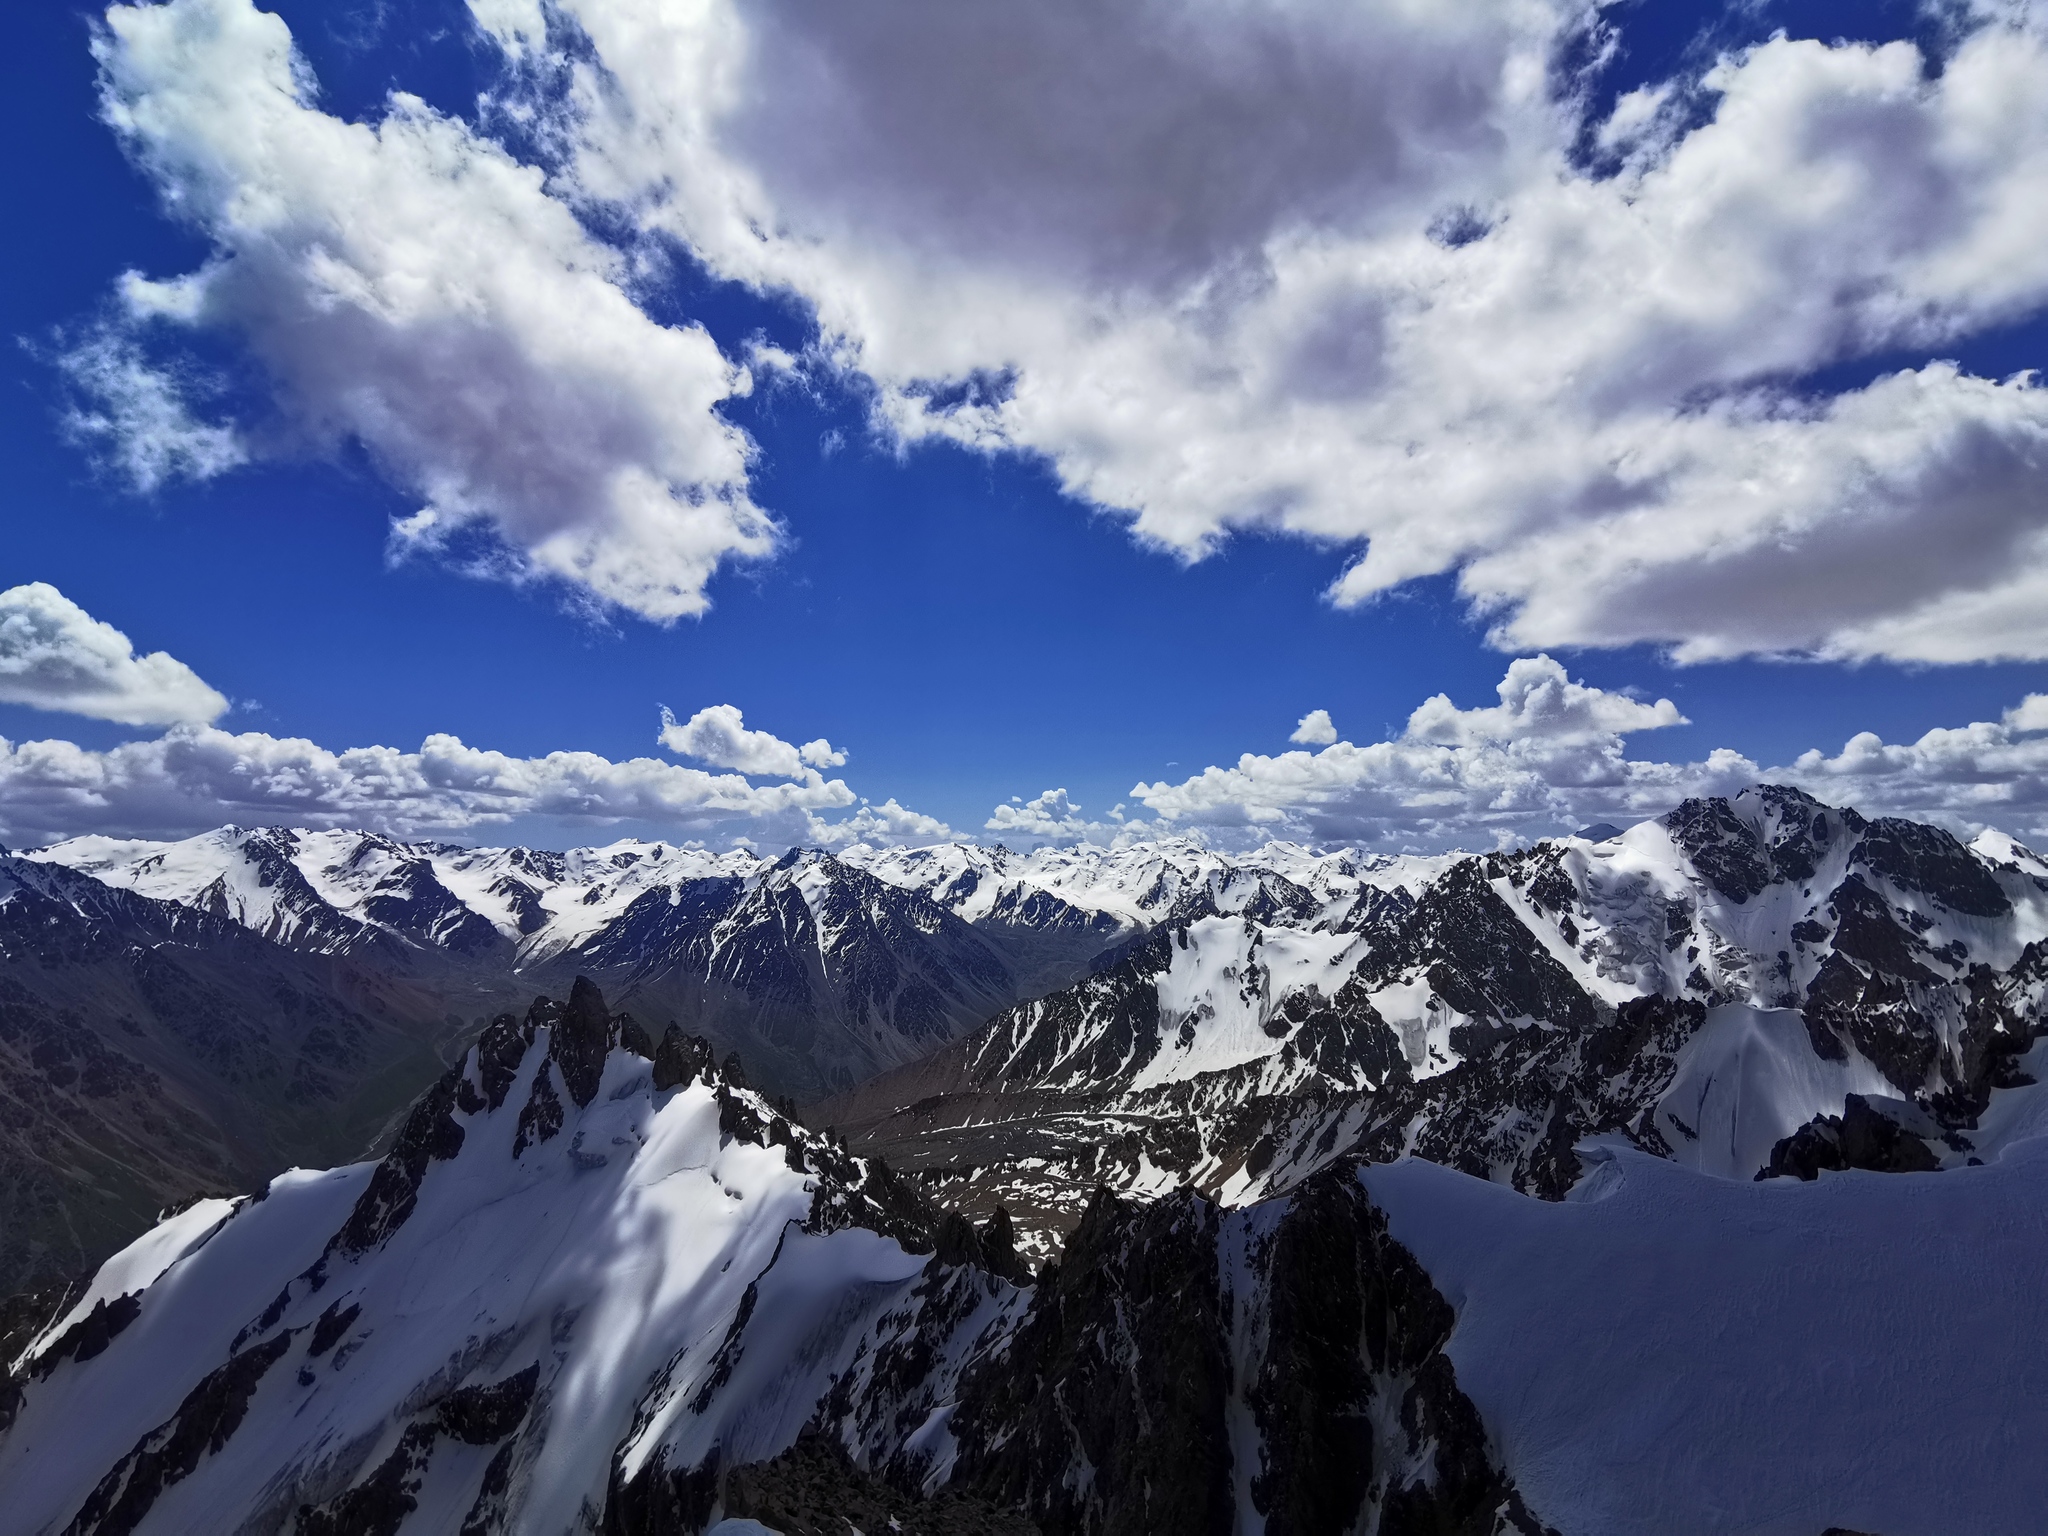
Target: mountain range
[(1748, 985), (189, 1018), (1687, 1177)]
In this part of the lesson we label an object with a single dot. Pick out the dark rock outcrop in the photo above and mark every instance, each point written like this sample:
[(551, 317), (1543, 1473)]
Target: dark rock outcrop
[(202, 1425), (1864, 1135), (1107, 1412), (1120, 1368), (1353, 1353)]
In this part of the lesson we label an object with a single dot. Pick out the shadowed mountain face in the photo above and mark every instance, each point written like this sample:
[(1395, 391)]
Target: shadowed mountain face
[(275, 995), (150, 1054), (1147, 1253), (819, 973), (1706, 987), (596, 1284)]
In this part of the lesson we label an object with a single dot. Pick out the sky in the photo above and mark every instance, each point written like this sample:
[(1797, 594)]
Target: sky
[(1411, 426)]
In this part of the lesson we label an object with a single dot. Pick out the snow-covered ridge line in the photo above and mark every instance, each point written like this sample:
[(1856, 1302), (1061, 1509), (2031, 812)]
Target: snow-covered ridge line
[(1671, 909), (572, 1208), (594, 1289), (823, 969), (1762, 984), (325, 888)]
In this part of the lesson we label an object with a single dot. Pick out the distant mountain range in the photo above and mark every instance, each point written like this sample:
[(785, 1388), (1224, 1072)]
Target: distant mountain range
[(188, 1018), (1763, 983)]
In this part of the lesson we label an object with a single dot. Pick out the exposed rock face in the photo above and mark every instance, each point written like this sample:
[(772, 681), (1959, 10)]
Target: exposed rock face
[(205, 1421), (1106, 1414), (679, 1306), (1862, 1136), (815, 1489), (1357, 1405), (1110, 1410), (820, 971), (1493, 1012)]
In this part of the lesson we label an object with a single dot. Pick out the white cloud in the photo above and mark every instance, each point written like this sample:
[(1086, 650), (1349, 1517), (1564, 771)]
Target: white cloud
[(139, 419), (406, 284), (196, 777), (1329, 268), (1549, 756), (887, 823), (1049, 815), (1552, 757), (718, 735), (1315, 729), (2029, 715), (1538, 702), (1052, 817), (56, 656)]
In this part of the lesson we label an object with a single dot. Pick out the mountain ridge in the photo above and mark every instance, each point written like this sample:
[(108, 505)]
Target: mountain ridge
[(1512, 1006), (451, 1338)]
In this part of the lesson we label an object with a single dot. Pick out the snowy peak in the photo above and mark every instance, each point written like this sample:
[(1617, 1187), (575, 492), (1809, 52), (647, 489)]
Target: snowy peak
[(588, 1289), (1776, 835), (1123, 890), (550, 1255), (335, 892), (1707, 986), (343, 892)]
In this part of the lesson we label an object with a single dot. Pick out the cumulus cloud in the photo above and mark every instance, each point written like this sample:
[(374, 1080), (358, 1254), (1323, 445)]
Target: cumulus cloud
[(1538, 702), (1341, 270), (1050, 815), (195, 777), (2030, 714), (1548, 757), (887, 823), (1552, 756), (1315, 729), (56, 656), (1053, 817), (718, 735), (406, 284)]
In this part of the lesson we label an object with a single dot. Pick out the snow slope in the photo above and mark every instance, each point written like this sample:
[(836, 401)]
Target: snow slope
[(1666, 1351), (1747, 1079), (591, 1286), (554, 1236)]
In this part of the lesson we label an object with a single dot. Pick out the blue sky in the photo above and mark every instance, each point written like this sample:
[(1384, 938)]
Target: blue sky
[(964, 631)]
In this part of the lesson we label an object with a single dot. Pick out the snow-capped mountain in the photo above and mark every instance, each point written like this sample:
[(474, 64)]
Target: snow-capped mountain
[(270, 996), (1117, 892), (598, 1285), (1247, 1018), (340, 892), (821, 969), (1762, 983), (333, 891)]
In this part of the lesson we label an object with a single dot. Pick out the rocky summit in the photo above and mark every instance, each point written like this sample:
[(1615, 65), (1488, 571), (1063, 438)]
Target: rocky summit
[(1548, 1190)]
